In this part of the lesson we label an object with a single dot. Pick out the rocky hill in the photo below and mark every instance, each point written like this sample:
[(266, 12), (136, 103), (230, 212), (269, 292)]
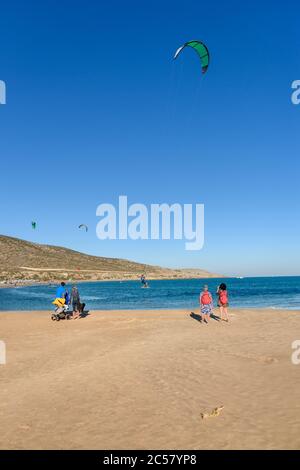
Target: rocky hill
[(22, 261)]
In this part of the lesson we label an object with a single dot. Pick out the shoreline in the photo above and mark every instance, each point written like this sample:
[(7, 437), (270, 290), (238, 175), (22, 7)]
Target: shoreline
[(10, 285), (159, 310), (28, 283)]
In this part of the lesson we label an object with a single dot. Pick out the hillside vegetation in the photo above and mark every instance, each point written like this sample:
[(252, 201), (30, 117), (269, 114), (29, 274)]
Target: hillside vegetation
[(21, 261)]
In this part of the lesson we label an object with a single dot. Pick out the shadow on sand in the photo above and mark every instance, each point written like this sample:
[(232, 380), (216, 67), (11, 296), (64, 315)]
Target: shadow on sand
[(198, 317), (84, 314)]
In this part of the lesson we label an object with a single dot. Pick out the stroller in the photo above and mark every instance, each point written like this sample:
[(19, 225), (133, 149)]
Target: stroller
[(61, 311)]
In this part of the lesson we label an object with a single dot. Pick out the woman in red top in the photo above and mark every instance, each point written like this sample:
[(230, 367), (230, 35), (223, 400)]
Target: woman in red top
[(223, 301), (206, 304)]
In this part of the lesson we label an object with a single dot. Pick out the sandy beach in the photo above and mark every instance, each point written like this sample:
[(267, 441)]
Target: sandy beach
[(141, 379)]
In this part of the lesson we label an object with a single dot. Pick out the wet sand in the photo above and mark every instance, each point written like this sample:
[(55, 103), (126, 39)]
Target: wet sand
[(142, 379)]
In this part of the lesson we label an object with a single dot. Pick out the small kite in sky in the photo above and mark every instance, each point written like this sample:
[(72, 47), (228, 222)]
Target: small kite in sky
[(200, 48)]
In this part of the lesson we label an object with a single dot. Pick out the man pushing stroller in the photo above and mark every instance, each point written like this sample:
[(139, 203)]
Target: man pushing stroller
[(64, 299)]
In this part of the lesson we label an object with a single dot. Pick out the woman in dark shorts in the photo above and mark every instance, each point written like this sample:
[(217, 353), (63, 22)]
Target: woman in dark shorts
[(75, 299), (223, 301)]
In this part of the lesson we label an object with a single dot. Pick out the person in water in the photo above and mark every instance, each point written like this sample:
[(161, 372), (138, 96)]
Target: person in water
[(143, 281), (206, 304), (75, 299), (61, 291), (223, 301)]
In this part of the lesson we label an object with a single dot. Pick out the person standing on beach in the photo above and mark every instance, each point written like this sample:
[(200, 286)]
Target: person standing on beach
[(60, 291), (75, 299), (206, 304), (223, 301), (67, 297)]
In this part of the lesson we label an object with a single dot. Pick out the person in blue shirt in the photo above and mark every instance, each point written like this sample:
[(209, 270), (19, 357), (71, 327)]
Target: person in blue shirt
[(60, 292), (143, 281)]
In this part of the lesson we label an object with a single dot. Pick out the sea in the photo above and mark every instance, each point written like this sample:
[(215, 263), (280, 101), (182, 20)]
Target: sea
[(248, 292)]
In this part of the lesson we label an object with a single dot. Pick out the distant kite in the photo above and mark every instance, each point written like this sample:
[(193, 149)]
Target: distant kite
[(84, 226), (200, 49), (33, 225)]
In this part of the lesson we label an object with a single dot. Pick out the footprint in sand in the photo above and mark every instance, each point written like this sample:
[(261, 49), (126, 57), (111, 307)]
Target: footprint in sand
[(126, 321), (214, 412), (24, 427), (268, 359)]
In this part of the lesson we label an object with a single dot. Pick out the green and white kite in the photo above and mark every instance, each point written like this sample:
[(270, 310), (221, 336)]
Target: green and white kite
[(200, 48)]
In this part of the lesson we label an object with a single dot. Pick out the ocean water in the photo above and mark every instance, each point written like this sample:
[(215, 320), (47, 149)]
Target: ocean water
[(272, 292)]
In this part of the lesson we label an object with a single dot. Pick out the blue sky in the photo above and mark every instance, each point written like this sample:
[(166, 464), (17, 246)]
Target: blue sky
[(96, 108)]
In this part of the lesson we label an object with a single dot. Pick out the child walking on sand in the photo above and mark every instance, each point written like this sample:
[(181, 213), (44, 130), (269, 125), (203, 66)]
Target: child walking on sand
[(223, 301), (206, 304)]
